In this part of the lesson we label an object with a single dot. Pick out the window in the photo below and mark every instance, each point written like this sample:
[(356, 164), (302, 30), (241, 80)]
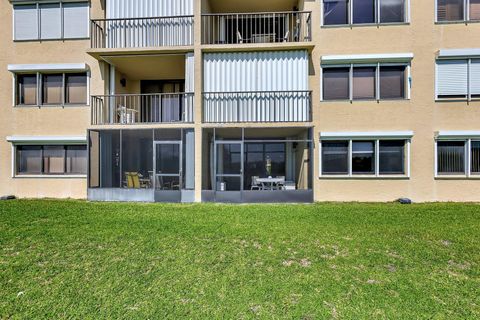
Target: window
[(26, 90), (458, 157), (335, 157), (336, 83), (50, 21), (53, 89), (380, 82), (51, 160), (458, 10), (364, 157), (458, 79), (351, 12)]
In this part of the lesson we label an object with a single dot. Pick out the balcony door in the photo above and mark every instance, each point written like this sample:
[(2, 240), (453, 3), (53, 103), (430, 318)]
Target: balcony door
[(162, 100), (229, 166)]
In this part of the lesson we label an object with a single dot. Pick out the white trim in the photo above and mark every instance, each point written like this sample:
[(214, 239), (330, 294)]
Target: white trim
[(459, 53), (17, 68), (49, 176), (367, 135), (363, 58), (463, 135), (22, 140), (13, 161)]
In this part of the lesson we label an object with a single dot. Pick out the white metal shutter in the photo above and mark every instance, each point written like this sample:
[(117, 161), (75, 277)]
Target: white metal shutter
[(256, 86), (75, 20), (475, 77), (25, 22), (50, 21), (452, 77), (148, 8)]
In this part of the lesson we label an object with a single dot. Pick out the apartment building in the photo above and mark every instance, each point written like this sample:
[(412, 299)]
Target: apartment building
[(240, 101)]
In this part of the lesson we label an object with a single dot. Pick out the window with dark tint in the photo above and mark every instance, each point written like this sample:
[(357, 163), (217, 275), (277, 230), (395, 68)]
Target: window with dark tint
[(363, 157), (392, 82), (27, 89), (29, 160), (76, 88), (474, 9), (451, 157), (364, 83), (392, 11), (53, 159), (52, 89), (335, 12), (475, 154), (450, 10), (336, 83), (335, 157), (392, 157), (76, 160), (363, 11)]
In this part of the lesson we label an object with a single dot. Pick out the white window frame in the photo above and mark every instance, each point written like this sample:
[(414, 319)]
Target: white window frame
[(377, 66), (466, 14), (62, 27), (377, 16), (44, 141), (468, 97), (40, 89), (468, 156), (376, 138)]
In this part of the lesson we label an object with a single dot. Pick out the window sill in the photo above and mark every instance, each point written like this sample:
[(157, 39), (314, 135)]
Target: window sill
[(367, 100), (51, 40), (65, 106), (364, 177), (353, 26), (45, 176), (457, 100), (465, 22), (457, 177)]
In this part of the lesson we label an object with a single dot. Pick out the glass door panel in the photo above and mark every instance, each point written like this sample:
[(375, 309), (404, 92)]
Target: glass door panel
[(229, 166), (168, 170)]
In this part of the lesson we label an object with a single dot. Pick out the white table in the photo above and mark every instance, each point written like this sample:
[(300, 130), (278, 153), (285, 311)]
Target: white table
[(270, 181)]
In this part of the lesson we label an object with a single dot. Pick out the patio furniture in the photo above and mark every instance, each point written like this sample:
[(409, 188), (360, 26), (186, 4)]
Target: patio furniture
[(270, 182), (255, 184), (126, 115), (281, 185), (263, 37)]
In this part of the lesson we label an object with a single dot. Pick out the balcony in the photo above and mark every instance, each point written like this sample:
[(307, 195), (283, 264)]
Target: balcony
[(251, 28), (169, 31), (131, 109), (258, 106)]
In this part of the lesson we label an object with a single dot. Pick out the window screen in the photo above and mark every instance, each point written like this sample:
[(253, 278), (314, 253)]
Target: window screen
[(392, 11), (364, 83), (392, 82), (392, 157), (52, 89), (27, 89), (335, 12), (363, 157), (363, 11), (76, 88)]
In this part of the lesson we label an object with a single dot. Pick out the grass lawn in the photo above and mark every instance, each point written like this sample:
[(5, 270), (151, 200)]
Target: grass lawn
[(73, 259)]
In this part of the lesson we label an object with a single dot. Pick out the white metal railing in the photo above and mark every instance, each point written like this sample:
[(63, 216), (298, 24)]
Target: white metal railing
[(142, 108), (258, 106), (142, 32), (241, 28)]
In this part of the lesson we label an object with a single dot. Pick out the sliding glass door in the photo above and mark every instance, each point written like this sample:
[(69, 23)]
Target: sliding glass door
[(229, 166)]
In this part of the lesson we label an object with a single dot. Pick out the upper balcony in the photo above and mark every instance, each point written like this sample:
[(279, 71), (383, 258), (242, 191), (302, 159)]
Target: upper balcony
[(255, 28), (171, 31)]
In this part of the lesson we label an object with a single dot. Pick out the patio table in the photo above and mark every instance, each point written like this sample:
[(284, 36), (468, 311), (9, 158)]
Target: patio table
[(270, 181)]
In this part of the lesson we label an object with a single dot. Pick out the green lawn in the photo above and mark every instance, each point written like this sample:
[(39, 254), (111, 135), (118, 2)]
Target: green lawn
[(73, 259)]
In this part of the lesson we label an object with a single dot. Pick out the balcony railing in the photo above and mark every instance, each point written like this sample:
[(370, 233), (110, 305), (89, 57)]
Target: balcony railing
[(259, 106), (142, 32), (142, 108), (271, 27)]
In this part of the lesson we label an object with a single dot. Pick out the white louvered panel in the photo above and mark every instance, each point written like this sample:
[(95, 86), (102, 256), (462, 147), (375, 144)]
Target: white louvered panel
[(25, 22), (50, 21), (475, 77), (75, 20), (452, 77)]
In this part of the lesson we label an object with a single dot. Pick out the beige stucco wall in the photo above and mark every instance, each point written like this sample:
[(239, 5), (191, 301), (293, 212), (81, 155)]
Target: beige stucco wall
[(421, 114)]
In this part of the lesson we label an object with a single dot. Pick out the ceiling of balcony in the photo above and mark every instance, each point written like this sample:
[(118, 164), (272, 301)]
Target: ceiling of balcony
[(149, 67), (246, 6)]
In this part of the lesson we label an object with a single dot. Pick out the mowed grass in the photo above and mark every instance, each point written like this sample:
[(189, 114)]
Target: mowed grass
[(73, 259)]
